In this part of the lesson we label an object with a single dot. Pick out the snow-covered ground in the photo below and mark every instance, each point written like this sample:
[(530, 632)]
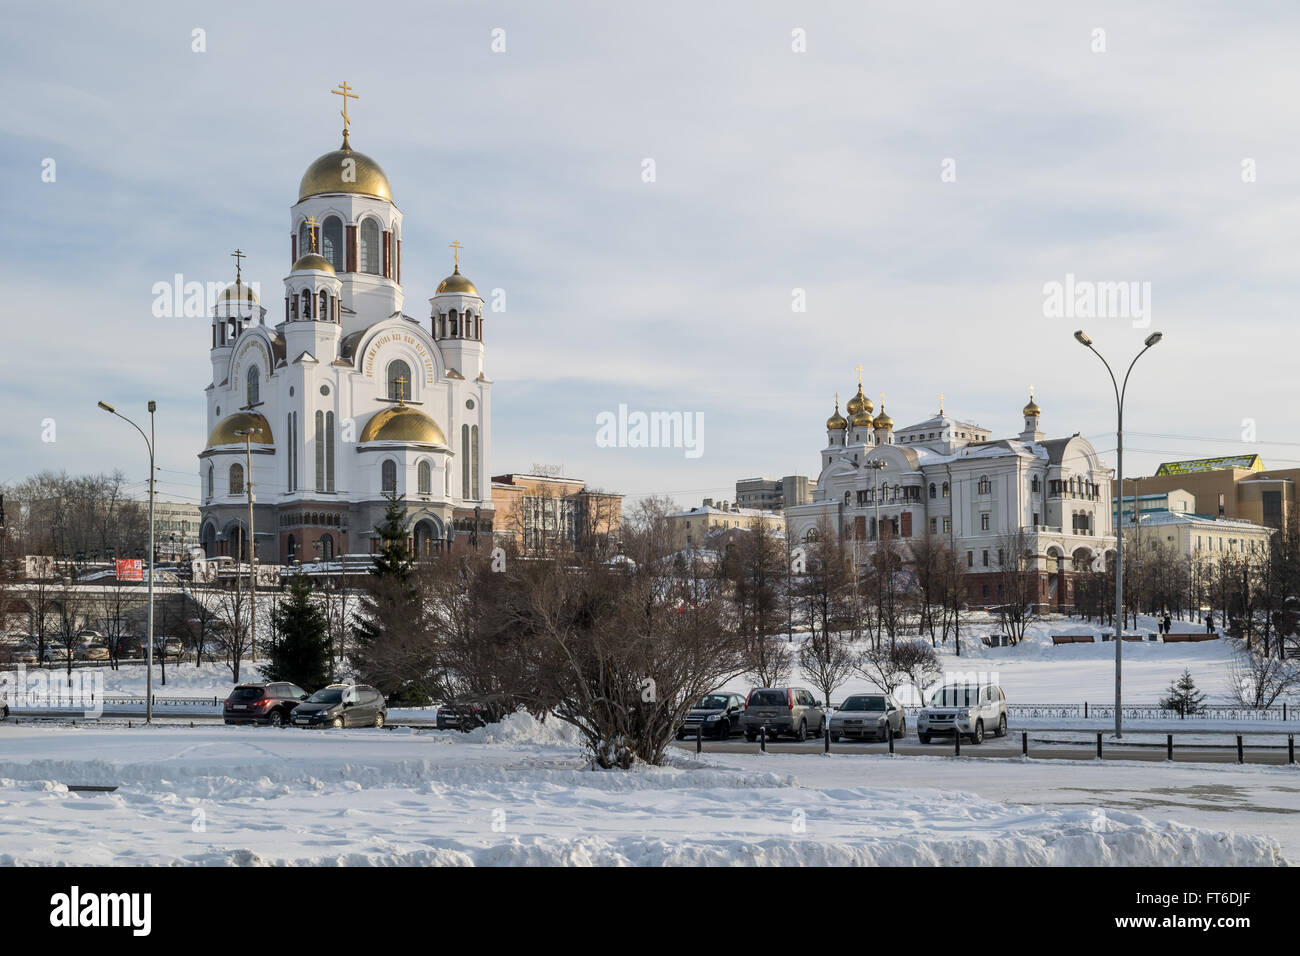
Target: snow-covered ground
[(519, 793)]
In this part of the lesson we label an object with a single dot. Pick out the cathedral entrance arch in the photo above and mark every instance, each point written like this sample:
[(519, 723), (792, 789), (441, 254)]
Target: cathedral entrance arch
[(428, 536)]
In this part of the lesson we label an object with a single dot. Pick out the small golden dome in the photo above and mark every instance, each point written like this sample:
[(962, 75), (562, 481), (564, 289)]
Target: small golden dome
[(402, 423), (238, 292), (862, 419), (332, 173), (837, 422), (1032, 410), (224, 433), (456, 283), (883, 420), (313, 260)]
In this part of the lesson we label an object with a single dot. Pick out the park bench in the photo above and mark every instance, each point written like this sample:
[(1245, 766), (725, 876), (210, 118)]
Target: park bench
[(1073, 639)]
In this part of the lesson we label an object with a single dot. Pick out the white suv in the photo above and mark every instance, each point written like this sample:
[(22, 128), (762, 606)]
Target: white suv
[(971, 710)]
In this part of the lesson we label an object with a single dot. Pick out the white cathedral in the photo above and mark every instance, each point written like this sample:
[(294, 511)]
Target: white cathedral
[(952, 481), (345, 398)]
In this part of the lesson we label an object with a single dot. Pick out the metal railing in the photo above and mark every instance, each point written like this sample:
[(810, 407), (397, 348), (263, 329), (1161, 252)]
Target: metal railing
[(1277, 712)]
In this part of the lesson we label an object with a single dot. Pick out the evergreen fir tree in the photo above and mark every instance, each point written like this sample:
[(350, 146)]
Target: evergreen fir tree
[(300, 652), (1182, 697), (393, 559)]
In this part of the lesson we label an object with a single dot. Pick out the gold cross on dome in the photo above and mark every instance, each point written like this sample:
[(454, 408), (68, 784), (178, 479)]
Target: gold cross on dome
[(311, 231), (345, 91), (941, 403), (401, 389), (455, 252)]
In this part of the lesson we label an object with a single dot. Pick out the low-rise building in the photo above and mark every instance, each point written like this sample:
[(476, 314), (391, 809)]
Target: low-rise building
[(1195, 536), (537, 513), (696, 527), (775, 494), (1238, 487)]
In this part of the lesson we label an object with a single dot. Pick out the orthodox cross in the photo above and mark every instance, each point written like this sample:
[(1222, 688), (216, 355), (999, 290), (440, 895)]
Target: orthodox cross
[(239, 257), (455, 252), (401, 389), (859, 376), (345, 91), (941, 403), (311, 231)]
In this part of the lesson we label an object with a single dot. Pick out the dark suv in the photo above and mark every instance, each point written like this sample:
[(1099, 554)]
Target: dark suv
[(261, 702), (342, 705)]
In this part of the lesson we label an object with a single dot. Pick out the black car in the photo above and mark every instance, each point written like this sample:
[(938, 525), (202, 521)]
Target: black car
[(262, 702), (720, 713), (461, 715), (342, 705), (128, 647)]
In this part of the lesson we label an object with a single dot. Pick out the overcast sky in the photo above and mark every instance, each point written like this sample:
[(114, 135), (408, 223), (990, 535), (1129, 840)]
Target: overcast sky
[(775, 170)]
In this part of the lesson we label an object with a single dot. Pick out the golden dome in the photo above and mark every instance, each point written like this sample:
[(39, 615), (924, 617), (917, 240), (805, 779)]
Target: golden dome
[(861, 420), (456, 283), (837, 421), (327, 175), (859, 403), (1032, 410), (224, 433), (238, 291), (402, 423), (313, 260), (883, 420)]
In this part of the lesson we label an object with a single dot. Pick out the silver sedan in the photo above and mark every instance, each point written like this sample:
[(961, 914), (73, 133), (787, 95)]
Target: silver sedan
[(868, 717)]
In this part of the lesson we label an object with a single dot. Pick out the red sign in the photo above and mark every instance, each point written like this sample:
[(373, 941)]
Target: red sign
[(130, 569)]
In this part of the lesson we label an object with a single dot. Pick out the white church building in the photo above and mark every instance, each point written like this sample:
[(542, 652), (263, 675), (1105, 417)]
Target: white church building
[(338, 396), (951, 479)]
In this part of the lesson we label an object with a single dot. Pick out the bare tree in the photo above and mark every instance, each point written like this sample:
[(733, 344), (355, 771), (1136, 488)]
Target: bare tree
[(1017, 584), (1257, 679)]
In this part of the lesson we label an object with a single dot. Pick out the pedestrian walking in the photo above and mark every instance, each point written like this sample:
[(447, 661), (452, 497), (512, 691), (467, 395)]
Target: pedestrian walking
[(1209, 624), (1169, 622)]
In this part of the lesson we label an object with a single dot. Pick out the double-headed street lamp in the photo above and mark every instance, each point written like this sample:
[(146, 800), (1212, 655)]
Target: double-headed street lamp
[(1086, 341), (149, 442)]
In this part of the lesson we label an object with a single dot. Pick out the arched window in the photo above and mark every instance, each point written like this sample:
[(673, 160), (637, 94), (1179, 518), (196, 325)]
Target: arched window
[(327, 547), (370, 246), (945, 489), (292, 547), (304, 239), (397, 369), (985, 485), (306, 305), (453, 324), (932, 490), (464, 461), (332, 242), (254, 385), (425, 478), (388, 477), (323, 311), (1033, 483), (211, 479), (236, 479)]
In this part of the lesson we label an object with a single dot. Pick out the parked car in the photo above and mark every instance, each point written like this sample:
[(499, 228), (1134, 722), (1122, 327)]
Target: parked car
[(86, 635), (342, 705), (461, 715), (131, 647), (971, 710), (869, 715), (23, 654), (262, 702), (170, 648), (793, 711), (57, 651), (720, 713), (91, 651)]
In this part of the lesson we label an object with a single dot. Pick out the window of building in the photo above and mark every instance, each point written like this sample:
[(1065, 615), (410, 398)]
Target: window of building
[(970, 559), (236, 479), (947, 525), (211, 479), (399, 380), (331, 246), (945, 489), (370, 246), (388, 477), (933, 491), (254, 385), (984, 521), (1033, 483), (934, 525), (424, 477), (986, 558), (985, 486)]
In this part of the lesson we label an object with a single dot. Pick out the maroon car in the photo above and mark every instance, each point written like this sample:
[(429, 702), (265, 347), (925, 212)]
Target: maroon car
[(262, 702)]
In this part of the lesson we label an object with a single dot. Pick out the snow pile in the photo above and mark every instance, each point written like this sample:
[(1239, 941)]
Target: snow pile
[(522, 728), (370, 797)]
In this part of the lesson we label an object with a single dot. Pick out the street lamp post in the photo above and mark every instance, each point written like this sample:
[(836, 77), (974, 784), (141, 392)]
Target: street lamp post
[(1086, 341), (876, 464), (149, 442), (248, 434)]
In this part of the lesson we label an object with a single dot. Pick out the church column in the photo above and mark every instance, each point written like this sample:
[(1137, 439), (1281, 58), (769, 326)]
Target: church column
[(388, 256), (350, 247)]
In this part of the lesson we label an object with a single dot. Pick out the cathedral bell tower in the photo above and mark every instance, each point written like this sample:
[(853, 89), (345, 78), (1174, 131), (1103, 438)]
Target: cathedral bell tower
[(237, 308), (1031, 413), (456, 317), (312, 308)]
